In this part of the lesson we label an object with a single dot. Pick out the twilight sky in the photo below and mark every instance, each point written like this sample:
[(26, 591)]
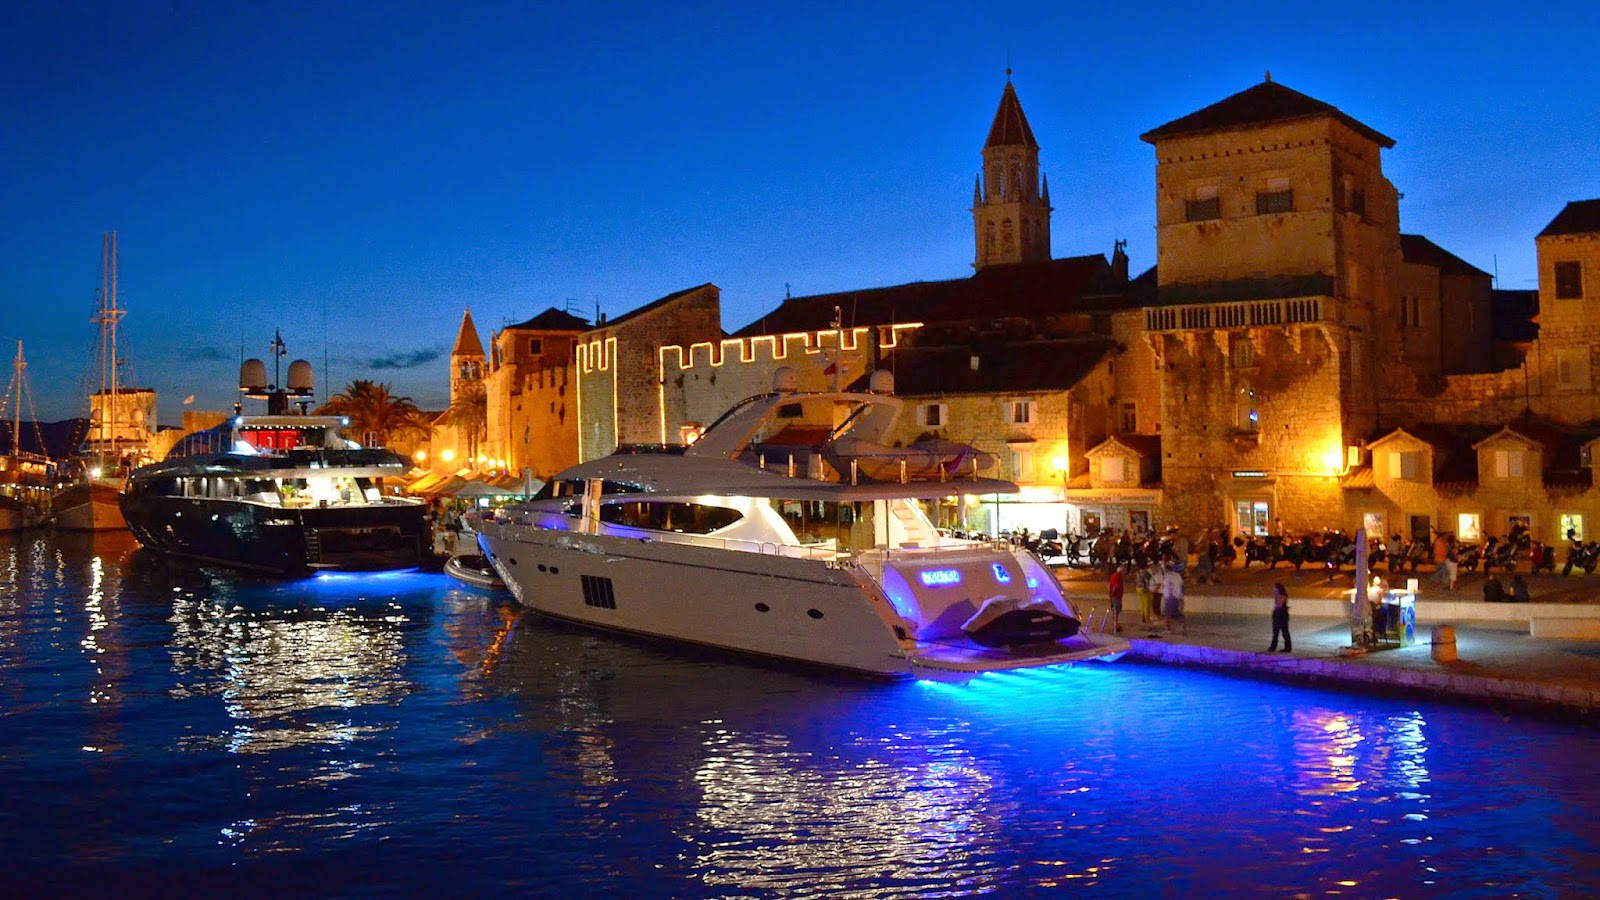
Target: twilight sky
[(357, 173)]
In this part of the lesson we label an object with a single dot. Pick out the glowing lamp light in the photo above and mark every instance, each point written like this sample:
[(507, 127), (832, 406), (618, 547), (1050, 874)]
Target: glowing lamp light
[(421, 456), (1001, 576), (447, 455), (94, 472), (1059, 463), (1333, 459), (939, 577)]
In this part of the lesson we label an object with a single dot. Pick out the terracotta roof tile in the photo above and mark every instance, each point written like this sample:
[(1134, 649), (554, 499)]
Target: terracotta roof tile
[(1262, 104), (1417, 249), (553, 319), (1027, 290), (1010, 126), (1577, 217)]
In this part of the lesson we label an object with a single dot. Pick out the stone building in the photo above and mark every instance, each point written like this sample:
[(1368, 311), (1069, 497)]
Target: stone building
[(1278, 250), (619, 382), (1272, 371), (531, 404), (453, 445)]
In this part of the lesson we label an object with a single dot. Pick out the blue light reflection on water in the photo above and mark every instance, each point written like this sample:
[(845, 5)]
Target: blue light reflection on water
[(186, 725)]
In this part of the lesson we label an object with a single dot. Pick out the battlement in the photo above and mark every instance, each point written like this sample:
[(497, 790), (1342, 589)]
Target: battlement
[(769, 348)]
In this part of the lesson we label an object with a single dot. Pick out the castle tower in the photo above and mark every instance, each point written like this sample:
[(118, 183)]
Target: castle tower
[(466, 358), (1010, 201)]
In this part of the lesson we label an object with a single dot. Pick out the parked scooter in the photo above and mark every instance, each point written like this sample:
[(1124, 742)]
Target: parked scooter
[(1581, 554)]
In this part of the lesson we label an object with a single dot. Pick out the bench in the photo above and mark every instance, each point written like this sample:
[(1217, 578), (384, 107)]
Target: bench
[(1580, 629)]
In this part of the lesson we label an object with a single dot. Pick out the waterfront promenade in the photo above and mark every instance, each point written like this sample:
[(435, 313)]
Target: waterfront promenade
[(1523, 654)]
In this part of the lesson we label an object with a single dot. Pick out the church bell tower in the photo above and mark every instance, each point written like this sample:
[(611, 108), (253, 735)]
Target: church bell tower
[(1010, 200)]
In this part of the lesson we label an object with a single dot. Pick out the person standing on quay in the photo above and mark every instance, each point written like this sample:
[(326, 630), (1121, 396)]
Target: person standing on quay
[(1280, 619), (1172, 599), (1114, 587)]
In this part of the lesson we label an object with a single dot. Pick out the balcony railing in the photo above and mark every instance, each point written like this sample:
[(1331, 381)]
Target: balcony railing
[(1246, 314)]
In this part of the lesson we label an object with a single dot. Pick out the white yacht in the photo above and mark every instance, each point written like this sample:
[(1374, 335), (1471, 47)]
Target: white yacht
[(768, 536)]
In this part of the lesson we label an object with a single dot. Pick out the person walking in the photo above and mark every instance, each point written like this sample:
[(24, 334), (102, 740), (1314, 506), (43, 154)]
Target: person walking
[(1114, 587), (1155, 571), (1141, 587), (1172, 599), (1280, 619)]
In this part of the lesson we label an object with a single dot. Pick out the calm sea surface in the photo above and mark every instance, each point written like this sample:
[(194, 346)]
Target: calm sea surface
[(174, 728)]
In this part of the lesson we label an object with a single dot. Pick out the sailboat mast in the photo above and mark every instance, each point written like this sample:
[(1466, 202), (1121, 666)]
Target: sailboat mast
[(16, 422), (112, 313)]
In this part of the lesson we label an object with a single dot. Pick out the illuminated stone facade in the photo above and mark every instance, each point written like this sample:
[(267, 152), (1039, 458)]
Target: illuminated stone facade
[(531, 395)]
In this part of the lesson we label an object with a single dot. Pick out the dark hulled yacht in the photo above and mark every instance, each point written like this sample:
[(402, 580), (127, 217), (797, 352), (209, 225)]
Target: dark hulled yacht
[(286, 494)]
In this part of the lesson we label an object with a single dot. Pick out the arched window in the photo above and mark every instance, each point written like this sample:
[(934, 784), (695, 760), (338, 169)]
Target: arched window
[(988, 239), (1008, 237), (1246, 413)]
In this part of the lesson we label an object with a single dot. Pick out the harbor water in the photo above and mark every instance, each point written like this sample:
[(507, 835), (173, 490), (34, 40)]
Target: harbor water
[(171, 727)]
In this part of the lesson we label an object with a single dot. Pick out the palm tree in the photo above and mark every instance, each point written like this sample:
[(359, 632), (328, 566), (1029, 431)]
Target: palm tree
[(469, 415), (376, 414)]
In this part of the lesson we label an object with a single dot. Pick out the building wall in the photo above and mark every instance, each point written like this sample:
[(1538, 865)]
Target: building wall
[(533, 422), (701, 381), (619, 380), (1569, 329)]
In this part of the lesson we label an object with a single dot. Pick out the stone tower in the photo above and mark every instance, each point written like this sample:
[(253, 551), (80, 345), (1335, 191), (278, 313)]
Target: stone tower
[(466, 359), (1010, 200)]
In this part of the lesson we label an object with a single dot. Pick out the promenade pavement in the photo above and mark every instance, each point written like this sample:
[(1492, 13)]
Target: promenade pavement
[(1499, 660)]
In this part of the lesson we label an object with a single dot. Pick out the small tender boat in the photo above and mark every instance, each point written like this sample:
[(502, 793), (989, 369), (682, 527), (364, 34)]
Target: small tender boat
[(475, 570)]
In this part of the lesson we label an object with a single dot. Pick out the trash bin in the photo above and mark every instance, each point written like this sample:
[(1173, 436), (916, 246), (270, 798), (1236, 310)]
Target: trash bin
[(1444, 643)]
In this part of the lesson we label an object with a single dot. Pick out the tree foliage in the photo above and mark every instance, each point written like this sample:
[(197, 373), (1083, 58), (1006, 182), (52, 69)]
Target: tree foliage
[(376, 415)]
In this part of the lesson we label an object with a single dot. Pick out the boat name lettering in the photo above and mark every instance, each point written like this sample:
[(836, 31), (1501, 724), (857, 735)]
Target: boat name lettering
[(939, 577)]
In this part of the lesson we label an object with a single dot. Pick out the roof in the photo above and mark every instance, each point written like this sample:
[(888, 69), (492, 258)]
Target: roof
[(467, 343), (1148, 446), (1454, 460), (1029, 290), (1262, 104), (1415, 248), (553, 319), (1455, 457), (651, 306), (1010, 126), (1577, 217), (1004, 367)]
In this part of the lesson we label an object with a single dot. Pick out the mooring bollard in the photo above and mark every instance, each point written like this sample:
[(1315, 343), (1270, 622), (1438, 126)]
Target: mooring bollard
[(1444, 643)]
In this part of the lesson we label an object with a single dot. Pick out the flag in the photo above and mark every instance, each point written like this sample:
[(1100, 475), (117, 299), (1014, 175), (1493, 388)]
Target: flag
[(188, 400)]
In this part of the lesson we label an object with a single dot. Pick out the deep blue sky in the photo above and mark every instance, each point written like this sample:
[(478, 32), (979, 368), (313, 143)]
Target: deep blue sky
[(366, 170)]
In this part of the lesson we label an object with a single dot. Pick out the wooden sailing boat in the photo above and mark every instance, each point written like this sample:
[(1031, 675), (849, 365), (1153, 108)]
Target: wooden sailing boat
[(25, 476), (90, 502)]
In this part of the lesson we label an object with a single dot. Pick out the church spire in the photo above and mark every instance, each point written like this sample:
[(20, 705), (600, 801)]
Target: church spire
[(1011, 209)]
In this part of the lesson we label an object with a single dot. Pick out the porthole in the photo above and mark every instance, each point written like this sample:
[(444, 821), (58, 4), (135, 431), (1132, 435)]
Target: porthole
[(814, 613), (900, 632), (513, 560), (554, 570), (762, 607), (541, 567)]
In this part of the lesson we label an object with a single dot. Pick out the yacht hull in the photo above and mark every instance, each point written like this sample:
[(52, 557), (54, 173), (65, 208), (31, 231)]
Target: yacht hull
[(89, 507), (760, 603), (286, 542)]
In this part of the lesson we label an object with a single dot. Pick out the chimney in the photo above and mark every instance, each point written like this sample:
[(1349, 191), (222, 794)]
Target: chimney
[(1119, 261)]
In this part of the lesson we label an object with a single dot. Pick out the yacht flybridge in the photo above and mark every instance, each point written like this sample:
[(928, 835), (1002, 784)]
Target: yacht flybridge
[(791, 529)]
